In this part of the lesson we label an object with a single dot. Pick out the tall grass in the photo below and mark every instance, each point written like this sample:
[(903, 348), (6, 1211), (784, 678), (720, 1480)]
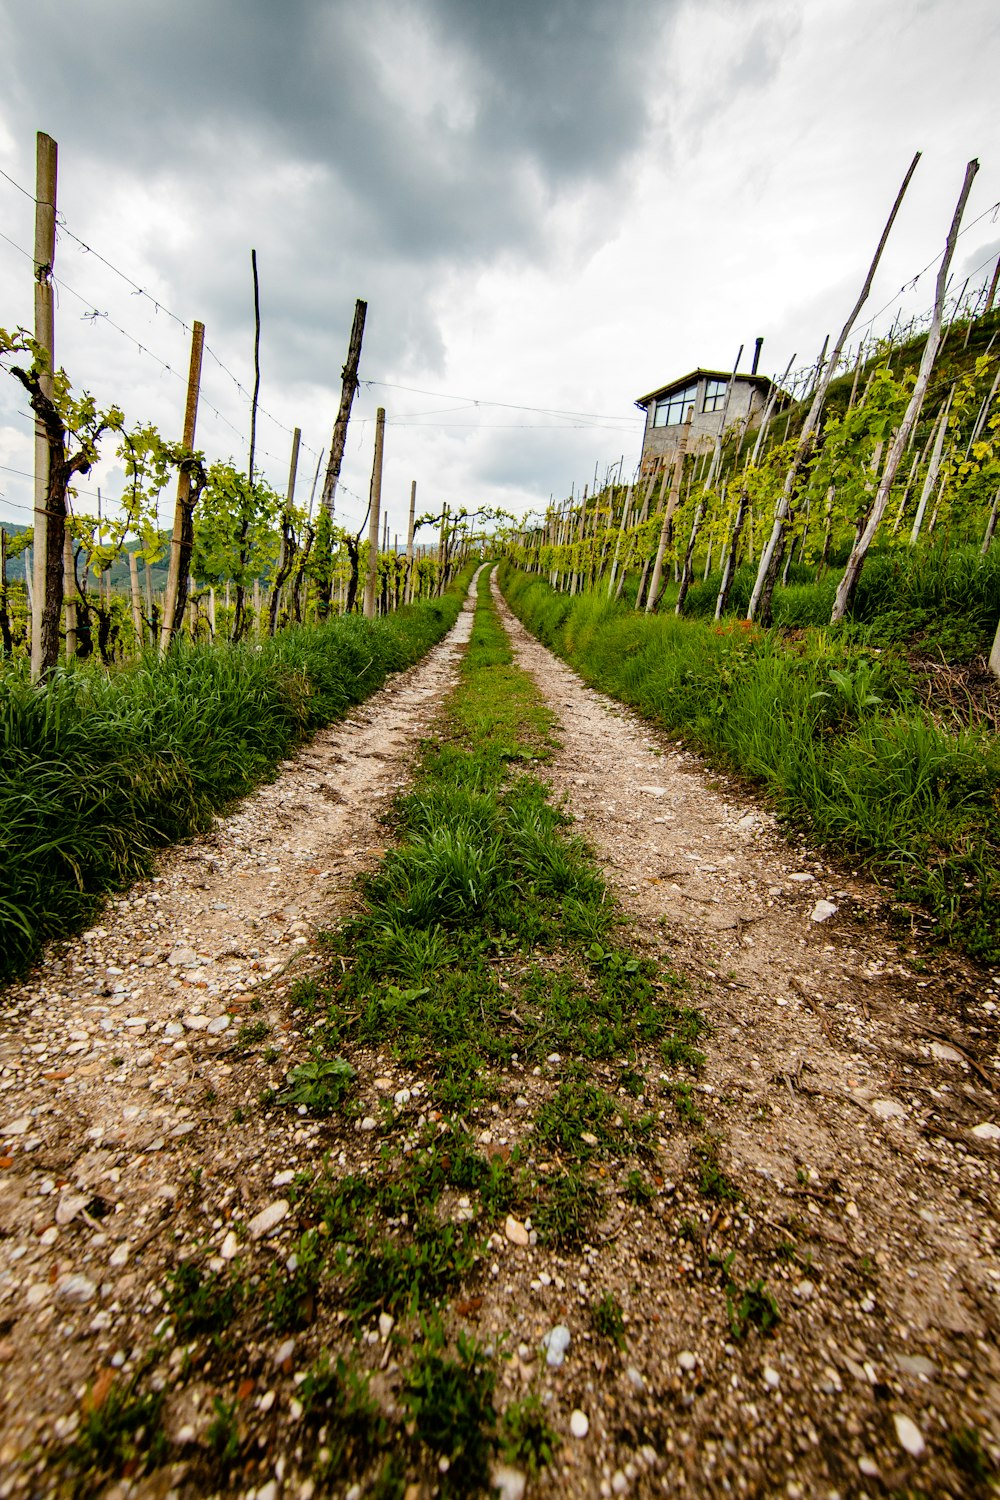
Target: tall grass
[(825, 723), (98, 770)]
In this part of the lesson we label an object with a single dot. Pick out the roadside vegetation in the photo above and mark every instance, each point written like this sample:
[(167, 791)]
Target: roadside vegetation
[(102, 769), (831, 723)]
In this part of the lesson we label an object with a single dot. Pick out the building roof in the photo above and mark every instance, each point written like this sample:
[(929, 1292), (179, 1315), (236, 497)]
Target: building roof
[(762, 381)]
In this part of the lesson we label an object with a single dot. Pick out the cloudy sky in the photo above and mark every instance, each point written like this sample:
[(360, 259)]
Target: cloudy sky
[(551, 207)]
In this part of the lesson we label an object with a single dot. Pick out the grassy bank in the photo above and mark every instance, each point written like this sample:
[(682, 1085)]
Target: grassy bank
[(826, 723), (101, 770)]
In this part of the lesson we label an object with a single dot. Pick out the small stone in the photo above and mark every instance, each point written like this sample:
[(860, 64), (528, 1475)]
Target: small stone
[(986, 1131), (401, 1096), (687, 1361), (588, 1138), (267, 1221), (619, 1483), (386, 1323), (916, 1364), (909, 1434), (20, 1126), (868, 1467), (635, 1378), (69, 1205), (823, 911), (803, 1290), (48, 1236), (510, 1484), (555, 1343), (264, 1404), (888, 1109), (282, 1179), (801, 878), (118, 1256), (173, 1028), (515, 1231), (75, 1288), (215, 1026), (196, 1023), (554, 1058), (771, 1377), (945, 1054), (183, 958), (486, 1138), (521, 1102), (579, 1423), (369, 1123), (284, 1352)]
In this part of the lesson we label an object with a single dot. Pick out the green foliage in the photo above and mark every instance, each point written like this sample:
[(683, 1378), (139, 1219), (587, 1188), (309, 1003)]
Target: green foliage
[(527, 1439), (124, 1430), (100, 771), (201, 1300), (451, 1403), (608, 1319), (829, 727), (320, 1084)]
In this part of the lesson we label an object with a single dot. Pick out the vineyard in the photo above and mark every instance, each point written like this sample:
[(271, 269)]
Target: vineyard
[(522, 1027)]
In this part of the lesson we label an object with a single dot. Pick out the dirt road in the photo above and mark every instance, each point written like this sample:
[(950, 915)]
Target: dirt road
[(850, 1099)]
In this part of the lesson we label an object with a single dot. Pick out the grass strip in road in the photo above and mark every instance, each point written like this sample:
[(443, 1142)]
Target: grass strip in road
[(829, 727), (100, 770)]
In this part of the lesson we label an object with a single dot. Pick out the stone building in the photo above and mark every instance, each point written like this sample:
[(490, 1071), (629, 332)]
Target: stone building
[(705, 391)]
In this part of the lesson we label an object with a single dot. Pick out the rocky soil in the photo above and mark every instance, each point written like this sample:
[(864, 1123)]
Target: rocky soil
[(849, 1099)]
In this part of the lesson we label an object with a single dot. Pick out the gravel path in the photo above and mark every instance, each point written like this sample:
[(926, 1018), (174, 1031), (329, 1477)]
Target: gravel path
[(855, 1085), (119, 1054), (850, 1094)]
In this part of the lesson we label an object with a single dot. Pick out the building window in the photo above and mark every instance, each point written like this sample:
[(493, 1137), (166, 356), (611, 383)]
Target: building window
[(715, 395), (673, 408)]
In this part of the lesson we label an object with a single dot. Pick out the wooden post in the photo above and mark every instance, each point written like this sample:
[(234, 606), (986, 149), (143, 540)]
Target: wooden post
[(69, 592), (348, 389), (993, 288), (852, 571), (408, 595), (256, 365), (760, 599), (288, 544), (373, 521), (175, 569), (47, 549), (148, 581), (133, 578)]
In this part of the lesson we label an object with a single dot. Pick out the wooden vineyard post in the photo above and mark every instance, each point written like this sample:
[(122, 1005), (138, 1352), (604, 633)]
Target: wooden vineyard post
[(371, 578), (69, 592), (760, 599), (993, 288), (852, 572), (133, 578), (48, 542), (177, 570), (408, 593), (6, 643), (286, 557), (348, 390)]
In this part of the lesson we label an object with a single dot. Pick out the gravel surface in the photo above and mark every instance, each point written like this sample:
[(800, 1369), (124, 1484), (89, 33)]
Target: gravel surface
[(850, 1095)]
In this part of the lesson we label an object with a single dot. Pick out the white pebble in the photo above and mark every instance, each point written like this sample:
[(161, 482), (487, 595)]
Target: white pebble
[(579, 1423)]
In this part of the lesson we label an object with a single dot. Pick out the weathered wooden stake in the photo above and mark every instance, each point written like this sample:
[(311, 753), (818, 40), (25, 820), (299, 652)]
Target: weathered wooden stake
[(852, 572), (348, 389), (47, 549), (177, 569), (408, 596), (371, 579)]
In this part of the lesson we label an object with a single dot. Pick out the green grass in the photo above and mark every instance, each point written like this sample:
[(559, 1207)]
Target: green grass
[(100, 770), (827, 724)]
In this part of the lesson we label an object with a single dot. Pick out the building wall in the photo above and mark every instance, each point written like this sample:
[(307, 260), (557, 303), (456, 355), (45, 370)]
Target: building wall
[(660, 443)]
